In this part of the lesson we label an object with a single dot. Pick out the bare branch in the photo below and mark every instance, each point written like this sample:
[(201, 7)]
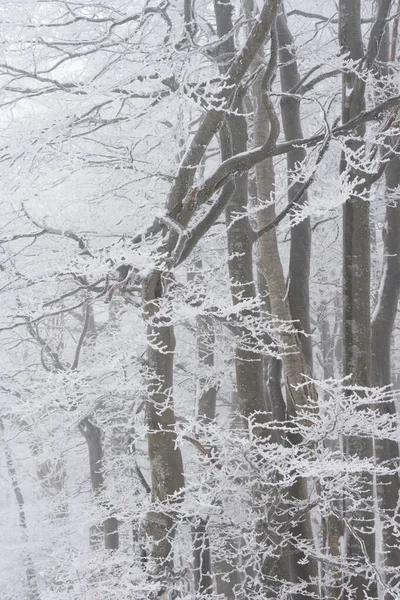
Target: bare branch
[(322, 18), (82, 336), (300, 193)]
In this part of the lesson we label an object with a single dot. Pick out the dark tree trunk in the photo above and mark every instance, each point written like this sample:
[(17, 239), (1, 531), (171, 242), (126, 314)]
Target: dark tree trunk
[(93, 437), (383, 319), (356, 283), (167, 479), (300, 243), (249, 363), (203, 580), (356, 305)]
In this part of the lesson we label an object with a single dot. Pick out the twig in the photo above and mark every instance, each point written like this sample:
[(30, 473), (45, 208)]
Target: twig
[(203, 450), (299, 195)]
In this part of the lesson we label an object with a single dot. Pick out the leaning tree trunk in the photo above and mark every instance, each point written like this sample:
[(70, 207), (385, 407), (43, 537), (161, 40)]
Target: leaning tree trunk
[(294, 367)]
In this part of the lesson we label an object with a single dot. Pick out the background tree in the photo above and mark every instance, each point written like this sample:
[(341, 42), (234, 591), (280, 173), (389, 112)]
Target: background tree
[(163, 168)]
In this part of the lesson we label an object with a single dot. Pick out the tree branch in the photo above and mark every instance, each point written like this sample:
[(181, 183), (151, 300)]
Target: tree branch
[(300, 193), (82, 336), (322, 18)]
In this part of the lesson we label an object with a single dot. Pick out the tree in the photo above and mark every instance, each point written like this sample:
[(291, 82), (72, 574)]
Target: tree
[(173, 178)]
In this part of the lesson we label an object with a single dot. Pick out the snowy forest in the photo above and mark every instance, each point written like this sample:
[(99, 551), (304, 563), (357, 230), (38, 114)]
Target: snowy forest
[(199, 280)]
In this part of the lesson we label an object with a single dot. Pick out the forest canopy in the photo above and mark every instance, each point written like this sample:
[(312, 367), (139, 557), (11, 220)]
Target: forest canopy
[(199, 279)]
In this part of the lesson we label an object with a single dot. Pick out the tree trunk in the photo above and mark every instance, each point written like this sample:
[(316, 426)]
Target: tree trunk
[(33, 588), (356, 285), (294, 366), (300, 242), (92, 435), (167, 480), (203, 581), (207, 385), (249, 363), (205, 414), (383, 319)]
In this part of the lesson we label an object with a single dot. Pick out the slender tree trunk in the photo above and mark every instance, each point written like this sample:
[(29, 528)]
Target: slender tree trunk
[(203, 581), (106, 535), (249, 363), (387, 451), (92, 435), (205, 414), (300, 243), (206, 404), (293, 365), (167, 480), (207, 385), (356, 286), (33, 588), (383, 319)]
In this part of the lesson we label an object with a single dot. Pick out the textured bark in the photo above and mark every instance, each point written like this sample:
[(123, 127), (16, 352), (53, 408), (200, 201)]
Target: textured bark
[(294, 366), (167, 480), (203, 580), (300, 243), (249, 363), (387, 451), (213, 119), (356, 279)]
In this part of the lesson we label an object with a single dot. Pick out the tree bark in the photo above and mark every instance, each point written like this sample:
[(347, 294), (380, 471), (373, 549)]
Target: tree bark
[(167, 479), (248, 362), (300, 241), (294, 366), (92, 435), (203, 580), (383, 319), (356, 281)]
